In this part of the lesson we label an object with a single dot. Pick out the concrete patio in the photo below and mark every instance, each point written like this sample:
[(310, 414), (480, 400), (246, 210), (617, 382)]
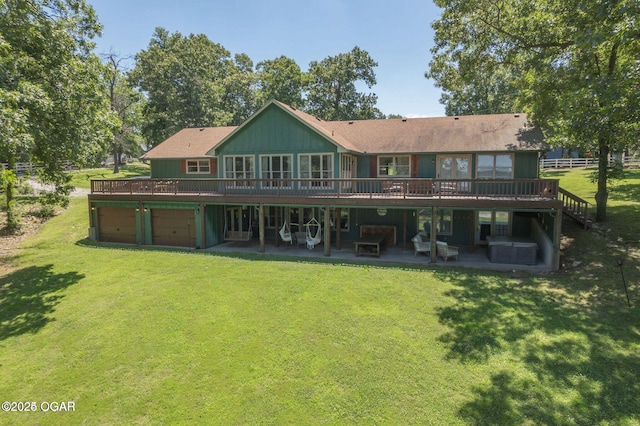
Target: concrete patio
[(469, 257)]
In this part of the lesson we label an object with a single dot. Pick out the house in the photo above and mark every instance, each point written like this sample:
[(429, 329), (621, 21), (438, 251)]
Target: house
[(462, 180)]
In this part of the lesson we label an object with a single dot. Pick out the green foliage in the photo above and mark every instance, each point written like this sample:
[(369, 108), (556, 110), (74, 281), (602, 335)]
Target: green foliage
[(52, 103), (332, 87), (281, 79), (190, 82), (573, 65)]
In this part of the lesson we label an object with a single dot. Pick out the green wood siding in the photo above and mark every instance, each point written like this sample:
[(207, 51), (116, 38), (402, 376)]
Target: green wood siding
[(172, 168), (275, 132), (526, 165), (165, 169)]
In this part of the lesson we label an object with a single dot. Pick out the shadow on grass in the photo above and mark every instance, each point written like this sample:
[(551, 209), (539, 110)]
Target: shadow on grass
[(28, 297), (565, 360), (263, 257)]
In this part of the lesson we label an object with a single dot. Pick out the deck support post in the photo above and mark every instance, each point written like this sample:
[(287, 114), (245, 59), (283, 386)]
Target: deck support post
[(327, 230), (557, 237), (203, 226), (261, 226), (404, 229), (338, 228), (434, 230)]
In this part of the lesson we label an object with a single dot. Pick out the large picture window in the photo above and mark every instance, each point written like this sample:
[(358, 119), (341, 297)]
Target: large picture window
[(316, 166), (198, 166), (495, 166), (398, 166), (276, 168)]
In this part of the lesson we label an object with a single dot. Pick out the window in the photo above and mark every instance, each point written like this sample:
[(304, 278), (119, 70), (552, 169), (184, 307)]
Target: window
[(444, 222), (275, 168), (198, 166), (394, 166), (495, 166), (316, 166), (238, 167)]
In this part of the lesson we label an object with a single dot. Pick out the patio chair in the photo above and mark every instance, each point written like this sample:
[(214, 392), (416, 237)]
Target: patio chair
[(446, 251), (420, 245)]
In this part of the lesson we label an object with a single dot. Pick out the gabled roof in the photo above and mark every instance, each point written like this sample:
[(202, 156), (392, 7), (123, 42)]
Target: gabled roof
[(189, 143), (315, 124), (471, 133)]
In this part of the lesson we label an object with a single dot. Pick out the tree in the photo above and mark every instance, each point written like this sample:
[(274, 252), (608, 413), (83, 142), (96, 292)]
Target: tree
[(190, 82), (126, 103), (240, 86), (52, 104), (575, 62), (332, 91), (281, 79), (478, 89)]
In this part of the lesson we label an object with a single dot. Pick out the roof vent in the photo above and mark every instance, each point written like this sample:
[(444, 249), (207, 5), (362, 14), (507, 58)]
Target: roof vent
[(456, 118), (351, 122), (516, 115), (202, 129), (404, 120)]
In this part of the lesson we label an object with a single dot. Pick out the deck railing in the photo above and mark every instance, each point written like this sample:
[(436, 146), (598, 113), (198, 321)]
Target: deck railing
[(575, 207), (334, 188)]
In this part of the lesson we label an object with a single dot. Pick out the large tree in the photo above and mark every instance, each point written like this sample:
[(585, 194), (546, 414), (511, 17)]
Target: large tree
[(281, 79), (575, 64), (190, 82), (126, 103), (333, 94), (53, 107)]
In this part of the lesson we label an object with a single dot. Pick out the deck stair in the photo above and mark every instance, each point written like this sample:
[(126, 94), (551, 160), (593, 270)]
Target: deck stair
[(575, 207)]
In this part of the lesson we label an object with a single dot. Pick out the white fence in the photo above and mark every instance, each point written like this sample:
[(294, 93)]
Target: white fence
[(571, 163), (30, 168)]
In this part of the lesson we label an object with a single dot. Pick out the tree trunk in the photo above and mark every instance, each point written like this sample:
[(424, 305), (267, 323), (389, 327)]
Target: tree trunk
[(602, 195), (116, 159), (12, 220)]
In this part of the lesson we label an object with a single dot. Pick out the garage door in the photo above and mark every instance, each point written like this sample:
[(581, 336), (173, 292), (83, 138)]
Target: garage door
[(173, 227), (117, 225)]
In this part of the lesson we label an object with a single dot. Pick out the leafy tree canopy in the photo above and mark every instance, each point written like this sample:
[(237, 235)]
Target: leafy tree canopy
[(190, 82), (52, 103), (281, 79), (573, 65), (333, 94)]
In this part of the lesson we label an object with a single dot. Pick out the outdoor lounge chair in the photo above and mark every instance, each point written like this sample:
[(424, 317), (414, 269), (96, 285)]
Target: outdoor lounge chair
[(420, 245), (446, 251)]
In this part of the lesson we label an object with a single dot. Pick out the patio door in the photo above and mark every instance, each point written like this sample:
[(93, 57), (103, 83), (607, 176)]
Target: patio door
[(348, 169), (491, 223), (233, 219), (454, 167)]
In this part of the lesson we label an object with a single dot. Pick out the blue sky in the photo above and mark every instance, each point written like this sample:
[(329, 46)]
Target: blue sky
[(396, 34)]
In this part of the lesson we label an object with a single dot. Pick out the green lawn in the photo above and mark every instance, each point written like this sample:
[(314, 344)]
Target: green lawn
[(82, 178), (150, 336)]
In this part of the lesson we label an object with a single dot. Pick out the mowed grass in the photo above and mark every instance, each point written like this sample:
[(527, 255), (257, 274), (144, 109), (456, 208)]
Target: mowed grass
[(82, 178), (136, 336)]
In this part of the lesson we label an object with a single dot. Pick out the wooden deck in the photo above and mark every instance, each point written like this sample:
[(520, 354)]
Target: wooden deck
[(488, 189)]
